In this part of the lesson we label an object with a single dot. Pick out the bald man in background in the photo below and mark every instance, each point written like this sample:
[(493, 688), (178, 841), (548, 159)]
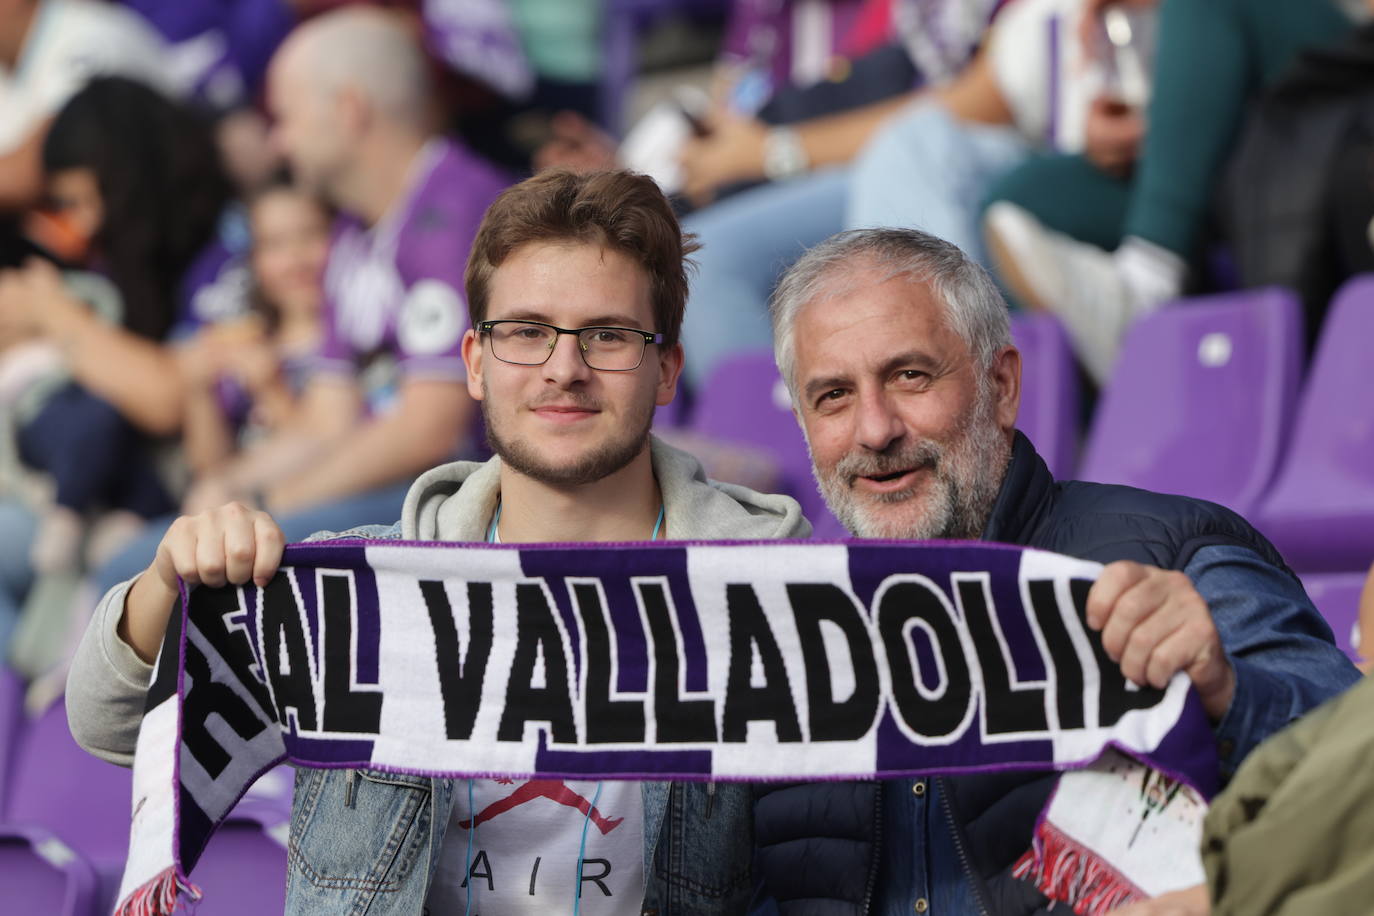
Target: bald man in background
[(386, 397)]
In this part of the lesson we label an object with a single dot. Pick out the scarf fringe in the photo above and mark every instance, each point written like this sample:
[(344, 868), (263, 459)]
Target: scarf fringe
[(1069, 872), (158, 897)]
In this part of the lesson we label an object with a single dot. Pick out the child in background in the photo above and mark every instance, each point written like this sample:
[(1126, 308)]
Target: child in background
[(243, 377)]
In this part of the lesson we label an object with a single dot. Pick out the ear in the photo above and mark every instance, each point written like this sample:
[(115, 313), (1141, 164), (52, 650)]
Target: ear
[(473, 354), (352, 110), (670, 361), (1006, 382)]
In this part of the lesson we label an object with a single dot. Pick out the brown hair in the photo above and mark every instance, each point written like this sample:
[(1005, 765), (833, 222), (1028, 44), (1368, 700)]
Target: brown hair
[(621, 210)]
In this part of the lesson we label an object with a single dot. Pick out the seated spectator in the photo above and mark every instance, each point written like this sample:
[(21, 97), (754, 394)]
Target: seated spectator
[(928, 166), (385, 397), (1213, 57), (77, 417), (897, 352), (244, 377), (80, 39)]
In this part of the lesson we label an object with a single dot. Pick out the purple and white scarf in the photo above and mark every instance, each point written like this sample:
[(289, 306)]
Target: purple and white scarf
[(686, 661)]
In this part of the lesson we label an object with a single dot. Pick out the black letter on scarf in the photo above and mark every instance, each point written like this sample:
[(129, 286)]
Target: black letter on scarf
[(1007, 709), (676, 719), (345, 710), (942, 715), (608, 720), (204, 698), (460, 684), (535, 627), (1068, 668), (745, 703), (833, 720), (211, 606), (289, 674)]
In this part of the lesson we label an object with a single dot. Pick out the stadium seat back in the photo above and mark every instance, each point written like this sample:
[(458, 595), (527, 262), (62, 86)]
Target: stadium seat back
[(1202, 399), (1320, 512), (41, 874), (745, 402), (1050, 392)]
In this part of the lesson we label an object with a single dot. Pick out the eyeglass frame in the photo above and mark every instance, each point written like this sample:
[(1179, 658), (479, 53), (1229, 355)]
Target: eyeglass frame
[(650, 337)]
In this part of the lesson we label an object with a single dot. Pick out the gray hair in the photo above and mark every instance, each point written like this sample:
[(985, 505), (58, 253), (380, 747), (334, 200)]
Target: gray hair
[(974, 307)]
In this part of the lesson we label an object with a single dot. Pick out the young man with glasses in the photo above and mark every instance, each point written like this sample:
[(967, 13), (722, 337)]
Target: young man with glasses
[(575, 287)]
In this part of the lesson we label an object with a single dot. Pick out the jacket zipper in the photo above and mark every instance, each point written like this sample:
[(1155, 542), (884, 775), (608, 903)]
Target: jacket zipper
[(874, 862), (974, 881)]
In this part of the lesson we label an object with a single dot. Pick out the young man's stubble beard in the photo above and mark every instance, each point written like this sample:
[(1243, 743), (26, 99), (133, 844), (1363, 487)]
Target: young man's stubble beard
[(609, 456)]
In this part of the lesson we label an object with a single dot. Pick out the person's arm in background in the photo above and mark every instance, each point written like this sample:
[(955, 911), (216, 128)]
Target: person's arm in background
[(424, 428), (207, 438), (21, 171), (146, 389), (734, 151), (331, 407)]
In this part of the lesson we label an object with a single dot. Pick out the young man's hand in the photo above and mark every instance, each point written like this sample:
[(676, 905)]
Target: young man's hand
[(228, 545), (1154, 624)]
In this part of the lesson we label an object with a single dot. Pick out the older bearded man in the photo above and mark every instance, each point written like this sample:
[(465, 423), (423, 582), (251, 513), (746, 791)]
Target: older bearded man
[(897, 352)]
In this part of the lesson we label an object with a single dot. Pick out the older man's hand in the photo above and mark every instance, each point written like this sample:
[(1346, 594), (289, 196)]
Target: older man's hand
[(1155, 624), (1191, 901)]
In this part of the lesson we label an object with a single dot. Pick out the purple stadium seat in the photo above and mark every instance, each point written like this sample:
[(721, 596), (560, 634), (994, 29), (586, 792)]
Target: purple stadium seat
[(1202, 399), (1320, 512), (11, 725), (745, 402), (243, 870), (1049, 390), (81, 800), (41, 874), (84, 802), (1337, 596)]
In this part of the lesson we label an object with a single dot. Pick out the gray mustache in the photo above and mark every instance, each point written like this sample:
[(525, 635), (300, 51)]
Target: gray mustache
[(914, 455)]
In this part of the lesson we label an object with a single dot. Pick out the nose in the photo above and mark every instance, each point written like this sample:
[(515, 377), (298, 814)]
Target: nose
[(876, 424), (565, 365)]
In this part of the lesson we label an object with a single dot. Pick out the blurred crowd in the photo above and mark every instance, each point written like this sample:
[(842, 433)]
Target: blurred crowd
[(233, 232)]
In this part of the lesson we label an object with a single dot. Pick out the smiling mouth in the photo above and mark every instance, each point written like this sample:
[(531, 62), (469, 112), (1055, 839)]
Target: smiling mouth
[(884, 478)]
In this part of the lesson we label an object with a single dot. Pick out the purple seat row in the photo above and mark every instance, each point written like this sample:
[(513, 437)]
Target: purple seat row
[(64, 826)]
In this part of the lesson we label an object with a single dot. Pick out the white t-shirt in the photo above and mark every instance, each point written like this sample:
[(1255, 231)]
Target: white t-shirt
[(528, 862), (521, 852), (69, 42), (1041, 70)]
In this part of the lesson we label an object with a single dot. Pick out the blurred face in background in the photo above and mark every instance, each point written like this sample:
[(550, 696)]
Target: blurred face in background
[(308, 128), (74, 199), (290, 245)]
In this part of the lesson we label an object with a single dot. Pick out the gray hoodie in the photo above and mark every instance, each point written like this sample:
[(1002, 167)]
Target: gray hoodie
[(453, 502)]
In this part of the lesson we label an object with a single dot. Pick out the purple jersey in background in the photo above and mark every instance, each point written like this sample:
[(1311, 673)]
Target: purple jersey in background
[(218, 50), (394, 306)]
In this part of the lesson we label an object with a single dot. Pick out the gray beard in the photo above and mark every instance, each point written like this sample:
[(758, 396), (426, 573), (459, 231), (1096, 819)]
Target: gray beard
[(609, 457), (967, 477)]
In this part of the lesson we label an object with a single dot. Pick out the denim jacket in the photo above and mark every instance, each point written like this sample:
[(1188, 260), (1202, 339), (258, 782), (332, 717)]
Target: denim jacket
[(363, 841), (367, 841), (946, 845)]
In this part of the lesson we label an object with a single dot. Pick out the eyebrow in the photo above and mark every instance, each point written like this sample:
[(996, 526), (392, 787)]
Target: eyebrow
[(598, 321), (909, 358)]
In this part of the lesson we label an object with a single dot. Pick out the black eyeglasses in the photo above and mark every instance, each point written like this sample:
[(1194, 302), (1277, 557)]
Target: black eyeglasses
[(530, 343)]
